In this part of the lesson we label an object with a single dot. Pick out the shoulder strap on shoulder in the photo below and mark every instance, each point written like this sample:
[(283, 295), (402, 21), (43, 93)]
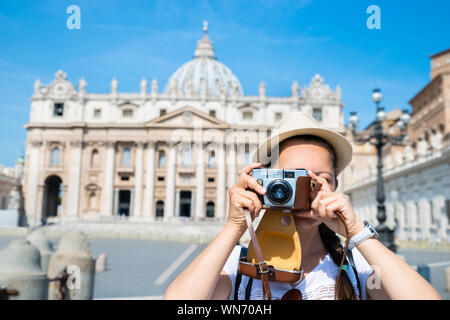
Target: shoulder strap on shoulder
[(352, 263)]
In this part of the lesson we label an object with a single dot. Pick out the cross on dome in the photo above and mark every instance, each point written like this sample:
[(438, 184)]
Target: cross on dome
[(204, 75)]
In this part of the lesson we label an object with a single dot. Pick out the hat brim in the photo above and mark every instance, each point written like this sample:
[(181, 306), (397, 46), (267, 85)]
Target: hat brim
[(340, 144)]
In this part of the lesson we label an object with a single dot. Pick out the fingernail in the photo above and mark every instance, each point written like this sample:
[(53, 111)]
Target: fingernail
[(262, 190)]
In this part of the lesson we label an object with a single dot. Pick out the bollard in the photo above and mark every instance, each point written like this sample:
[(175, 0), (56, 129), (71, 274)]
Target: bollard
[(100, 264), (44, 245), (21, 275), (424, 271), (447, 279), (71, 269)]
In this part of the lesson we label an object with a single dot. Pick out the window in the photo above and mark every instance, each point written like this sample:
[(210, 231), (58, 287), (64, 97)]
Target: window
[(97, 113), (317, 114), (278, 116), (125, 178), (212, 113), (126, 157), (162, 112), (4, 203), (210, 179), (247, 115), (212, 160), (160, 178), (161, 159), (447, 61), (127, 113), (186, 160), (210, 209), (159, 208), (437, 65), (58, 109), (55, 157), (94, 159)]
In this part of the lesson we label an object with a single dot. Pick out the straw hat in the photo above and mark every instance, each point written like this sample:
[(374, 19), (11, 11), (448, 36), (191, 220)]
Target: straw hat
[(300, 123)]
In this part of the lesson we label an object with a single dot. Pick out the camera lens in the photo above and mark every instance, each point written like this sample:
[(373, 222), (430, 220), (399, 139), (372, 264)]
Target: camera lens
[(279, 191)]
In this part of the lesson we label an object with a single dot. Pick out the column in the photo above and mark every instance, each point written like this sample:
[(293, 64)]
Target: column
[(232, 167), (169, 212), (76, 149), (221, 187), (137, 212), (108, 194), (150, 181), (33, 166), (200, 182), (177, 203), (231, 151)]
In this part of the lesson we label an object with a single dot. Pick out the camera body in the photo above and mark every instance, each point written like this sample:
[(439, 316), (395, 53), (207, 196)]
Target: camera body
[(285, 189)]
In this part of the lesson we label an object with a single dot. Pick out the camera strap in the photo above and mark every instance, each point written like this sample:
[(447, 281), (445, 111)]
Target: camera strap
[(263, 267), (261, 270)]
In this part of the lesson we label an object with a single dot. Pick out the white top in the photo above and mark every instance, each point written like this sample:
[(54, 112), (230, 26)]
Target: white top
[(317, 285)]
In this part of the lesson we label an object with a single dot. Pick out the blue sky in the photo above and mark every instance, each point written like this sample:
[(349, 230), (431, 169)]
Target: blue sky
[(271, 41)]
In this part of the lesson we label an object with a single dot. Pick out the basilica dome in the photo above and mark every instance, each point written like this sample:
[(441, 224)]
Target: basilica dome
[(203, 74)]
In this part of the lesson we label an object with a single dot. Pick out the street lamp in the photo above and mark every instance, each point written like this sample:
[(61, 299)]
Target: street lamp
[(378, 139)]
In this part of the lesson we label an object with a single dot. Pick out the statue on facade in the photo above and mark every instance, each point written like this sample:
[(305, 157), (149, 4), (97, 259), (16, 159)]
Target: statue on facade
[(143, 86), (422, 147), (262, 89), (114, 85), (154, 86), (338, 93), (82, 86), (409, 153), (295, 89), (37, 86), (172, 86), (436, 139)]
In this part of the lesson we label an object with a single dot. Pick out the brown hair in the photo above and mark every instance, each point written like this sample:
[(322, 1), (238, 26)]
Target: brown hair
[(343, 287)]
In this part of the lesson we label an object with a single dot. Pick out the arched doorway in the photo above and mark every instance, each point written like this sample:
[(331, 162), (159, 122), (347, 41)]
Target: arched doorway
[(52, 197)]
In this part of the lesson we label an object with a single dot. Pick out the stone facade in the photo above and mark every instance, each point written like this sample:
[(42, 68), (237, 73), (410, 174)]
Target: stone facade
[(152, 154), (417, 174)]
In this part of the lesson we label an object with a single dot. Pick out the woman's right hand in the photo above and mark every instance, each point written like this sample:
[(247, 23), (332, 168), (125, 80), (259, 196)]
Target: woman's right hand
[(241, 199)]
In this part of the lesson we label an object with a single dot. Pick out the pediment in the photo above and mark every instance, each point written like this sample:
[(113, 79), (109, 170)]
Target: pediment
[(187, 117)]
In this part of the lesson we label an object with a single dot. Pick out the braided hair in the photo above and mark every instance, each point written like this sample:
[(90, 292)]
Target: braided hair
[(343, 288)]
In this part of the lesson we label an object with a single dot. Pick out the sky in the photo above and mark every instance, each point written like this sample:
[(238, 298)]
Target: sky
[(272, 41)]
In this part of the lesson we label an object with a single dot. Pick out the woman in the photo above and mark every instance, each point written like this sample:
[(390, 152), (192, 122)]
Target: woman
[(324, 153)]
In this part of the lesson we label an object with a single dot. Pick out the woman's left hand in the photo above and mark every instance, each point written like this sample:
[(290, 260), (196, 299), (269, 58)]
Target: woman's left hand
[(327, 202)]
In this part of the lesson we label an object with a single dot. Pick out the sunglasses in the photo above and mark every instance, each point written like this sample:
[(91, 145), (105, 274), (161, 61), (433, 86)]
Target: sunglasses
[(293, 294)]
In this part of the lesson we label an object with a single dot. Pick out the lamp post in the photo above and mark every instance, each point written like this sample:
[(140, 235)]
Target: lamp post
[(379, 139)]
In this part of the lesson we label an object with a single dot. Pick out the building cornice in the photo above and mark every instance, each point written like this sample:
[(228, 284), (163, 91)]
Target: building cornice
[(432, 160)]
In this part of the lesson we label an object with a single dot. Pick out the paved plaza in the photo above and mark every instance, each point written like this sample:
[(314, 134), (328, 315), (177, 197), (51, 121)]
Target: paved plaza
[(143, 269)]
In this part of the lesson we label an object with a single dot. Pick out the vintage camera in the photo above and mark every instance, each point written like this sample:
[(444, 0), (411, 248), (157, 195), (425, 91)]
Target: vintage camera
[(285, 189)]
